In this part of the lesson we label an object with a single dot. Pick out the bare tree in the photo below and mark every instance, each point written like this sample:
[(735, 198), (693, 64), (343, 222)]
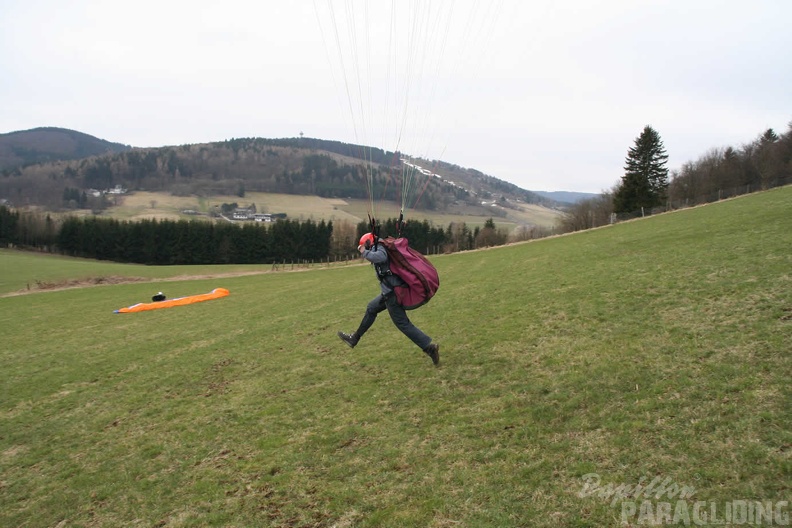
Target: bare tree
[(586, 214)]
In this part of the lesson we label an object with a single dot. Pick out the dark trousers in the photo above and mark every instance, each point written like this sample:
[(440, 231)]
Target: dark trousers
[(397, 315)]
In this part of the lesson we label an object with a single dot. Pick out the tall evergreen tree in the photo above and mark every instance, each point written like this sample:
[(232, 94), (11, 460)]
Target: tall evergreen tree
[(645, 180), (9, 222)]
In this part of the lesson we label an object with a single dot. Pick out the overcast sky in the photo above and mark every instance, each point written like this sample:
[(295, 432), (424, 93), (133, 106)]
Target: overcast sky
[(548, 95)]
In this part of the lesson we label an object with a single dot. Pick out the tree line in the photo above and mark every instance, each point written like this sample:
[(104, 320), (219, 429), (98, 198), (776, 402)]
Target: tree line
[(169, 242), (164, 242), (428, 239), (648, 187)]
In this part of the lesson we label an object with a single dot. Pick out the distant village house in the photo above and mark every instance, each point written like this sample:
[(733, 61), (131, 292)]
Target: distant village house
[(244, 213)]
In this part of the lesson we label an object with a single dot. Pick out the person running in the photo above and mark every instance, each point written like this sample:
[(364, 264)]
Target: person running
[(386, 300)]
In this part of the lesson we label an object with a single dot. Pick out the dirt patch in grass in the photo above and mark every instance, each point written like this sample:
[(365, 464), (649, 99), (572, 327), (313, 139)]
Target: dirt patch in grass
[(41, 286)]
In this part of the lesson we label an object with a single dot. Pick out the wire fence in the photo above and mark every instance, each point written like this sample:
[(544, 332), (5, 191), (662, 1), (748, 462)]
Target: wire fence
[(684, 199)]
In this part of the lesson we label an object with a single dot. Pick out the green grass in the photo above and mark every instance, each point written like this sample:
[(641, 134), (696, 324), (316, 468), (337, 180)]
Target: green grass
[(31, 272), (657, 347)]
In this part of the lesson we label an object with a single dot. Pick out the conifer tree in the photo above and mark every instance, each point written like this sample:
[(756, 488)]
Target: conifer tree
[(645, 181)]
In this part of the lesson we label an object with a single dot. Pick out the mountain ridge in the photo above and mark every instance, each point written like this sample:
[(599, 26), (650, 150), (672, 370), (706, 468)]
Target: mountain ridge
[(47, 144), (52, 161)]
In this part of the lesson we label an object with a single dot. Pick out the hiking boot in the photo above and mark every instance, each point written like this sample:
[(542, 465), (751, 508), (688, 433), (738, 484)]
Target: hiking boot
[(349, 339), (433, 351)]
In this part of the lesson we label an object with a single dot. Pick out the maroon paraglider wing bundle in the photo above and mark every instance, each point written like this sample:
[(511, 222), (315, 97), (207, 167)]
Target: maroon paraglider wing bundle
[(420, 276)]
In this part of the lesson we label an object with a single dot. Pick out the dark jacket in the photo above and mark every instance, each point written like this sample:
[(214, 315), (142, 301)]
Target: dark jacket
[(378, 256)]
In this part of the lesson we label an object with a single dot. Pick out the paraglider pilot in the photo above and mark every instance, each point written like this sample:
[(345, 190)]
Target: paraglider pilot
[(386, 300)]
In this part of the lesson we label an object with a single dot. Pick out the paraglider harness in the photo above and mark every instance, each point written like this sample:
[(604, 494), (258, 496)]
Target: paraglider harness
[(383, 270), (419, 277)]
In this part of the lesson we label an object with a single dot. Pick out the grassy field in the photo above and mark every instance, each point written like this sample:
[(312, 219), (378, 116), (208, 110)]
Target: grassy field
[(25, 272), (141, 205), (164, 205), (653, 349)]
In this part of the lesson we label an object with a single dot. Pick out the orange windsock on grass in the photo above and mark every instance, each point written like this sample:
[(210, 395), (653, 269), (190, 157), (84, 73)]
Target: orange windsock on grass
[(170, 303)]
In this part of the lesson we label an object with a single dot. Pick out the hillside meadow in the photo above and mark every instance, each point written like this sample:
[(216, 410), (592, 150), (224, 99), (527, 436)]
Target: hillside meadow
[(162, 205), (574, 371)]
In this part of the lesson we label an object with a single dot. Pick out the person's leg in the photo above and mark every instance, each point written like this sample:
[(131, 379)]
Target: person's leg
[(403, 323), (372, 309)]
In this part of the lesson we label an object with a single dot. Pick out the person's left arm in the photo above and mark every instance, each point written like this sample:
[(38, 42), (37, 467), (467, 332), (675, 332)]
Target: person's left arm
[(375, 255)]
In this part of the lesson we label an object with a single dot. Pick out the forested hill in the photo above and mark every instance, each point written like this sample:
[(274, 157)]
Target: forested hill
[(471, 179), (41, 145), (236, 166)]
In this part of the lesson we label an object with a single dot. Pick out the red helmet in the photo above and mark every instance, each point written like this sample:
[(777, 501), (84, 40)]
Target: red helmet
[(367, 240)]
